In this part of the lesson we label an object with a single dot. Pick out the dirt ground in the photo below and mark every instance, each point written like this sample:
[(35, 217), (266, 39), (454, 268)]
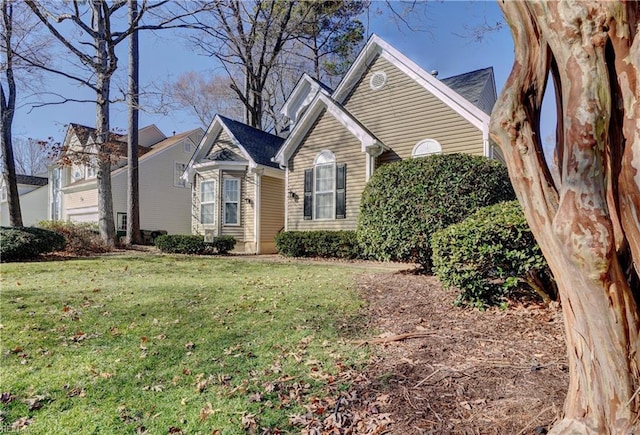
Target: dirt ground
[(442, 369)]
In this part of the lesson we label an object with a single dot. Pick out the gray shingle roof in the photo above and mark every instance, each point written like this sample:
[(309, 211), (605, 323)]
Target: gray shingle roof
[(470, 85), (260, 145), (31, 180)]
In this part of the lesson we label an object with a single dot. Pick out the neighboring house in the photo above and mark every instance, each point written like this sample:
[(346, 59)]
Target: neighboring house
[(237, 189), (165, 199), (33, 192), (386, 108)]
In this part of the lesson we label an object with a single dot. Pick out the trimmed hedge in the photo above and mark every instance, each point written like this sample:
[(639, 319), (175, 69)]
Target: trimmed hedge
[(82, 238), (27, 243), (405, 202), (194, 244), (325, 244), (491, 254)]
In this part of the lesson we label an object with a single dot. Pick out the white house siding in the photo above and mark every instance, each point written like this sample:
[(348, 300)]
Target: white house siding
[(403, 113), (326, 134), (163, 206), (272, 196), (33, 207)]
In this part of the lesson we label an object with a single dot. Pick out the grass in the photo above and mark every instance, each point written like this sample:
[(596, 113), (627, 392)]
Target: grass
[(161, 343)]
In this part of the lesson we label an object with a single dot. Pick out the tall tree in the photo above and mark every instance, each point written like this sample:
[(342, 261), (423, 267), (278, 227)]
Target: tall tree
[(587, 223), (93, 46), (202, 95), (133, 191), (247, 37), (331, 34), (31, 155), (8, 107)]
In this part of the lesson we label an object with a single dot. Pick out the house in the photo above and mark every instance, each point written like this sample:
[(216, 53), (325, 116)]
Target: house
[(165, 198), (237, 189), (386, 108), (33, 192)]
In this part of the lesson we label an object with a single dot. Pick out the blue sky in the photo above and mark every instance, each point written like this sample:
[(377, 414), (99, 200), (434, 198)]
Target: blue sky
[(444, 44)]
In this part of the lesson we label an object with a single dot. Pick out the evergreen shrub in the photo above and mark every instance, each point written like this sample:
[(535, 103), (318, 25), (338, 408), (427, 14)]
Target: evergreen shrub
[(324, 244), (490, 255), (27, 243), (194, 244), (405, 202)]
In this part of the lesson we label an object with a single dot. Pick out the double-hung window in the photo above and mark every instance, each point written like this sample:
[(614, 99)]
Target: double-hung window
[(207, 201), (178, 170), (231, 201), (324, 189)]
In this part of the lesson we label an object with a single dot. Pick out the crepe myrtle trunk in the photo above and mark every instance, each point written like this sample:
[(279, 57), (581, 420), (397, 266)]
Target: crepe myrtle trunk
[(587, 219)]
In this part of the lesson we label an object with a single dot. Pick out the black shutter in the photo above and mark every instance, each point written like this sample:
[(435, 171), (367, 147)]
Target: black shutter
[(308, 194), (341, 189)]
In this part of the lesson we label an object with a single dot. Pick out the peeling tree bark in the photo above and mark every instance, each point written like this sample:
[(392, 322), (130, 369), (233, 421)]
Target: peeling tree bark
[(588, 224)]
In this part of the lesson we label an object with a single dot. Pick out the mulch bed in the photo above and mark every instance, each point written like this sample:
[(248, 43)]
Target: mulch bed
[(441, 369), (461, 371)]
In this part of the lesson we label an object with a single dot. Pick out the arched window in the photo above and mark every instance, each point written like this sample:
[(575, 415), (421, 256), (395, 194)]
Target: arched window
[(426, 147), (324, 189)]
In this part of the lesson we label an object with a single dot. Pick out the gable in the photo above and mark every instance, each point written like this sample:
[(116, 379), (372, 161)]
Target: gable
[(402, 112), (224, 149)]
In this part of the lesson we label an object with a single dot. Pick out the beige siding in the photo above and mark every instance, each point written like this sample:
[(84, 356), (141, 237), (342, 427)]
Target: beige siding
[(82, 199), (224, 141), (246, 213), (271, 212), (326, 134), (403, 113)]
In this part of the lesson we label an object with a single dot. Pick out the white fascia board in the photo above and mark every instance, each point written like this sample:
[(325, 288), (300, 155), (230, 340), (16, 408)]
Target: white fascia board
[(245, 154), (320, 102), (378, 46), (372, 48), (441, 91), (226, 165), (203, 147)]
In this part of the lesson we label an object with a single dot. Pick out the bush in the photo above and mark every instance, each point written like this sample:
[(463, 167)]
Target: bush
[(325, 244), (82, 238), (491, 254), (194, 244), (405, 202), (223, 244), (26, 243)]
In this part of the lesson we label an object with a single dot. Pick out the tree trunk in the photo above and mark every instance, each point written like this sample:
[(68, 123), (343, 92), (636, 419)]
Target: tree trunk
[(8, 107), (587, 226), (105, 198), (133, 197)]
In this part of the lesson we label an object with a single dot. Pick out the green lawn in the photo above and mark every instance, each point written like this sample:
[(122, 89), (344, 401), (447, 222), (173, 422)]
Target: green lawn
[(123, 344)]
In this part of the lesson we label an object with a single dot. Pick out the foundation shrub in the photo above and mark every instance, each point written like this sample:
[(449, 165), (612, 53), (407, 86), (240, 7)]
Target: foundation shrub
[(492, 255), (405, 202)]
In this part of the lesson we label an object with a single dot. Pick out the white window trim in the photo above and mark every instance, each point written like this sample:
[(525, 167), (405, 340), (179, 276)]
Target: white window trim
[(225, 202), (317, 165), (212, 202), (433, 145), (3, 193), (178, 181), (121, 218)]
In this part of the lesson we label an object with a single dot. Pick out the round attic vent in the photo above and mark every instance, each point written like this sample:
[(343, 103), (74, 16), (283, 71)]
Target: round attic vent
[(378, 80)]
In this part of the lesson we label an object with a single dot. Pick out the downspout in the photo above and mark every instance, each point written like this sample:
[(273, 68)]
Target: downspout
[(256, 209)]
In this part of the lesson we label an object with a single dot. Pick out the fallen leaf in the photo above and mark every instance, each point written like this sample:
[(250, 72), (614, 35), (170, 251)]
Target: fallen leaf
[(189, 345), (6, 398), (21, 423)]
